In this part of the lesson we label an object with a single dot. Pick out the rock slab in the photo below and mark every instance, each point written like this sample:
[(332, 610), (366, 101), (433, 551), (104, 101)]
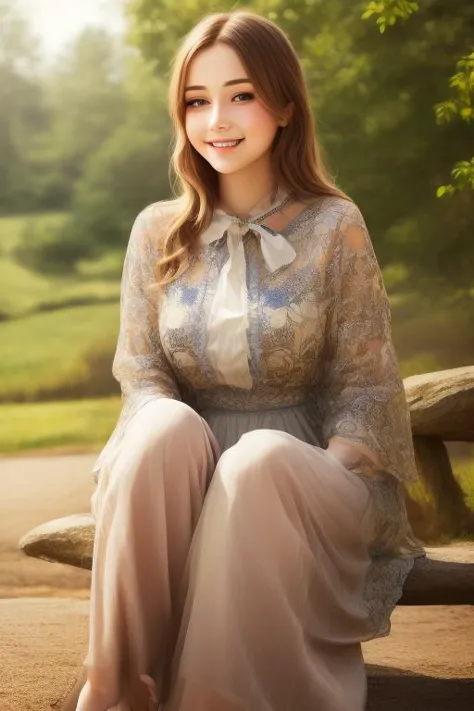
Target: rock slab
[(68, 540), (442, 404)]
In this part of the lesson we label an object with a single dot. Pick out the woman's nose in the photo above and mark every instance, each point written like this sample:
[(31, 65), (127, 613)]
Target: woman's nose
[(218, 116)]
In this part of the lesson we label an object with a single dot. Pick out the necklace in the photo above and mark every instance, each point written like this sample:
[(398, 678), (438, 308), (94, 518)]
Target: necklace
[(286, 201), (260, 218), (276, 208)]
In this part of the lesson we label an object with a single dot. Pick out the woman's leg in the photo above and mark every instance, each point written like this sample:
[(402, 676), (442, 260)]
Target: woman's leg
[(146, 512), (275, 613)]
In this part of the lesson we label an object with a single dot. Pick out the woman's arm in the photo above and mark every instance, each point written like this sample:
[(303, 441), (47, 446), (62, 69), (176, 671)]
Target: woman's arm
[(140, 365), (366, 420)]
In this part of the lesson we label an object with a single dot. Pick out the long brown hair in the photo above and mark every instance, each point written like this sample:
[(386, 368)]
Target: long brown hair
[(296, 156)]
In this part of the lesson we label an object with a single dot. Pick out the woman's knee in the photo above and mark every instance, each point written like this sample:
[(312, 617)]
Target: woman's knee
[(163, 434), (259, 457), (164, 420)]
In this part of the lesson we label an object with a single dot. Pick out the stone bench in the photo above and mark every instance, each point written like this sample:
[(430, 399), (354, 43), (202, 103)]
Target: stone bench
[(442, 410), (444, 577)]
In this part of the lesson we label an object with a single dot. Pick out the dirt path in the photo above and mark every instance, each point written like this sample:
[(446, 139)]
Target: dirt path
[(427, 662), (32, 491)]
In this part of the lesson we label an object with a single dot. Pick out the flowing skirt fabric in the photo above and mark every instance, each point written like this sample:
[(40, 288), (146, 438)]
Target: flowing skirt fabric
[(230, 578)]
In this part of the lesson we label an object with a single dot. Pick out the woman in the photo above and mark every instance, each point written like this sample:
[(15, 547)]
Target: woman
[(250, 521)]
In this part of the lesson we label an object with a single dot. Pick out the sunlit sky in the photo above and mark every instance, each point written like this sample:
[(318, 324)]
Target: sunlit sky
[(56, 22)]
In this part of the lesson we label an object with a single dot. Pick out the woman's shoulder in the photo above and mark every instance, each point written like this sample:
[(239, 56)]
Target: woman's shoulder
[(152, 221), (338, 215), (336, 209), (157, 214)]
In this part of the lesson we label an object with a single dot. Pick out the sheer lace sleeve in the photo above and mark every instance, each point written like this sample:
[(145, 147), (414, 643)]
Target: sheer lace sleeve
[(140, 365), (363, 400)]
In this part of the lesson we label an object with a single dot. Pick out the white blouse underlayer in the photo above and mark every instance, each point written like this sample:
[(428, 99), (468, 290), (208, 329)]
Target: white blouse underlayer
[(286, 330)]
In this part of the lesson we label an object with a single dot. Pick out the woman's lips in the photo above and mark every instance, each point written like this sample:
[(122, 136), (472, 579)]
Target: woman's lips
[(226, 148)]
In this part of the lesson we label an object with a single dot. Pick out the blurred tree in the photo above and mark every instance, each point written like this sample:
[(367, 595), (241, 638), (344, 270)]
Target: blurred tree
[(22, 112), (51, 124), (126, 174), (87, 99), (459, 105), (128, 171)]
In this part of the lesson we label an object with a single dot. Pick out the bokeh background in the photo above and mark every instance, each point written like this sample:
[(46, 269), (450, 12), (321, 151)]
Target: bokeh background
[(85, 142)]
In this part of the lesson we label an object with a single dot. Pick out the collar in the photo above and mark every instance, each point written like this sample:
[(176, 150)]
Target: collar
[(276, 250)]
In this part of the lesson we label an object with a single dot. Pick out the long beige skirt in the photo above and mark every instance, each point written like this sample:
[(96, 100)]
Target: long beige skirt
[(226, 581)]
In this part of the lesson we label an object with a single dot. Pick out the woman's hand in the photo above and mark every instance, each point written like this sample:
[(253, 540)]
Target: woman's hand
[(353, 455)]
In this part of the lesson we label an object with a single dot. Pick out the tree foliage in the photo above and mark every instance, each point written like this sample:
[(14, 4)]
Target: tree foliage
[(461, 103)]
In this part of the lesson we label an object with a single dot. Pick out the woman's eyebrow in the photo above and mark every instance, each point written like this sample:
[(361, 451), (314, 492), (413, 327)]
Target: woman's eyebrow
[(227, 83)]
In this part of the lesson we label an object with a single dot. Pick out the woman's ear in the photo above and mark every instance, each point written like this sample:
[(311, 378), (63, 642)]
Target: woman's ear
[(287, 114)]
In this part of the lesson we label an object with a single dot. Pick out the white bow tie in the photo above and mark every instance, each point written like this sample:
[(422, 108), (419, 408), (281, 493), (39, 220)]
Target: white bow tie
[(276, 250), (227, 344)]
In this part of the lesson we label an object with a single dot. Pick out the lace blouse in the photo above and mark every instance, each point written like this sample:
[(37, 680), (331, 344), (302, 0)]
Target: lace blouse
[(317, 328)]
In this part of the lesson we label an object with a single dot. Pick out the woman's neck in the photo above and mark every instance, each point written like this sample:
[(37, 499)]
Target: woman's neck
[(248, 191)]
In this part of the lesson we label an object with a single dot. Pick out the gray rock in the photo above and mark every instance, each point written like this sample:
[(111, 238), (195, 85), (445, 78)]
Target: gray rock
[(67, 540), (442, 404)]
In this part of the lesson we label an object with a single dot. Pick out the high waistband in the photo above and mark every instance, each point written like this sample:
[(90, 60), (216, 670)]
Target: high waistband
[(232, 411)]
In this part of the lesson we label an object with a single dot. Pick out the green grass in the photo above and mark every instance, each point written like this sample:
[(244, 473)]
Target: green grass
[(463, 470), (20, 289), (54, 323), (47, 350), (77, 425), (109, 266), (23, 291), (11, 227)]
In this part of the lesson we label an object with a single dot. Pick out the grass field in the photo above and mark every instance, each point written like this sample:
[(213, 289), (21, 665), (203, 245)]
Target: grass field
[(12, 227), (23, 291), (48, 350), (51, 325), (76, 425)]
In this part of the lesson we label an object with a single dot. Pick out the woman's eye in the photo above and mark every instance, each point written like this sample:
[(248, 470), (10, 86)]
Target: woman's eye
[(246, 93), (193, 102)]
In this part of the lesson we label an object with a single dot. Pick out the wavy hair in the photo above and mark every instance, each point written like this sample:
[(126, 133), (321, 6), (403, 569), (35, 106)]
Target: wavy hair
[(296, 158)]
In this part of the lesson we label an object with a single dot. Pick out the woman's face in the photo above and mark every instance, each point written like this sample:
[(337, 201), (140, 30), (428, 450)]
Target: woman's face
[(218, 111)]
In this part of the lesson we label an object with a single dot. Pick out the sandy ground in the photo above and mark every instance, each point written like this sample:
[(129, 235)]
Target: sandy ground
[(427, 662)]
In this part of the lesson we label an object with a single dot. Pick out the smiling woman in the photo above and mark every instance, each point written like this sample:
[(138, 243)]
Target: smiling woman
[(250, 520)]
